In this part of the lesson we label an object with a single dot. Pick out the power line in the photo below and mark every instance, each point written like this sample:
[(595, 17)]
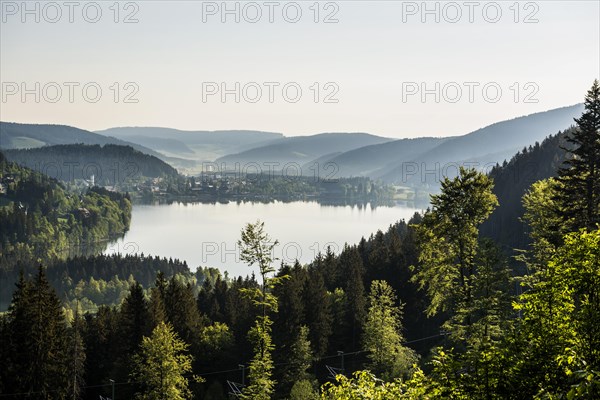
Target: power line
[(315, 360)]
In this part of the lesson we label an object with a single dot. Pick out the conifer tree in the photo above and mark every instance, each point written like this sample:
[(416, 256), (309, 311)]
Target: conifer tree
[(134, 320), (38, 340), (157, 300), (317, 313), (579, 192), (76, 359), (182, 311), (355, 294)]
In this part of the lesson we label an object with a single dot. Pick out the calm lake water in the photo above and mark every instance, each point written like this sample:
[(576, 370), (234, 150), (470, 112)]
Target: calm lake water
[(206, 234)]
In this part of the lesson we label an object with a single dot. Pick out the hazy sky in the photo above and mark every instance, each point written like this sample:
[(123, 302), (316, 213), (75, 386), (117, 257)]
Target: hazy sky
[(175, 59)]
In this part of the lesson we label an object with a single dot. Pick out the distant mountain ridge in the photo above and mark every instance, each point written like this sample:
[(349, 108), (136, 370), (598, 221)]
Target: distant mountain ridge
[(419, 162), (411, 162), (193, 145), (372, 160), (486, 146), (22, 136), (302, 149)]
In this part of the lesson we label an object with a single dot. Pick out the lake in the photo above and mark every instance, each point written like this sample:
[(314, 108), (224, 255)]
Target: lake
[(207, 234)]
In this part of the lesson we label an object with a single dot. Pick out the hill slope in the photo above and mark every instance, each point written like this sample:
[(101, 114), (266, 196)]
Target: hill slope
[(513, 179), (17, 136), (489, 145), (302, 149), (110, 164), (370, 160), (193, 145)]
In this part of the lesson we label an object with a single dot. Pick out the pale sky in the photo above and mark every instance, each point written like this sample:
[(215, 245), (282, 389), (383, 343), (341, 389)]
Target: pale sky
[(375, 61)]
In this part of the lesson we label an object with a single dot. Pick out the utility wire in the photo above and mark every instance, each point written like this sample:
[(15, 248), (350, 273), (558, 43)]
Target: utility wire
[(214, 372)]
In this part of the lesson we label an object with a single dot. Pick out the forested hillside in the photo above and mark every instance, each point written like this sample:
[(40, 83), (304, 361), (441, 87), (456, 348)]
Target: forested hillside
[(110, 164), (41, 221), (511, 182)]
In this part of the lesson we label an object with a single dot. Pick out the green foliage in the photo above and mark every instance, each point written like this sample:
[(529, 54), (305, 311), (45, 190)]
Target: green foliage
[(448, 238), (303, 390), (467, 278), (382, 334), (300, 360), (541, 217), (215, 339), (161, 366), (257, 249), (261, 385), (42, 222), (483, 321), (556, 346), (363, 386)]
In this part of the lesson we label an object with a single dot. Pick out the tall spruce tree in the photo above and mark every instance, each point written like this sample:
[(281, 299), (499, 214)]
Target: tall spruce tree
[(351, 263), (182, 310), (134, 320), (76, 355), (579, 192), (39, 347), (317, 313), (287, 321), (101, 349)]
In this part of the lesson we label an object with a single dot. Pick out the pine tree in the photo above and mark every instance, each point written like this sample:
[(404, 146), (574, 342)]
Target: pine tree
[(355, 293), (38, 340), (317, 312), (101, 348), (579, 192), (378, 258), (287, 321), (182, 311), (134, 321), (330, 269), (76, 359), (489, 322), (157, 300)]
